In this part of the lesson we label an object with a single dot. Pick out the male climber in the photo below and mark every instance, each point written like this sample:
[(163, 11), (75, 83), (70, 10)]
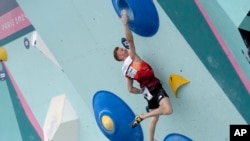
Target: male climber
[(134, 68)]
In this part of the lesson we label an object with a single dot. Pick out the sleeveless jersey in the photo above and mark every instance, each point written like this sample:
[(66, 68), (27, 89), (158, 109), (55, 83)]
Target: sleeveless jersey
[(141, 71)]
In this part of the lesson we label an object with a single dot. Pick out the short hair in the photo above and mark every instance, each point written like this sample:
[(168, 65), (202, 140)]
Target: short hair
[(115, 54)]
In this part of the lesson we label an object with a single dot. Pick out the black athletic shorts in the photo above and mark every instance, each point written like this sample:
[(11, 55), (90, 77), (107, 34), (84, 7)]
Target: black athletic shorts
[(158, 94)]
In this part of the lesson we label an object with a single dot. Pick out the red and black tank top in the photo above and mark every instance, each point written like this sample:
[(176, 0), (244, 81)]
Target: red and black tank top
[(141, 71)]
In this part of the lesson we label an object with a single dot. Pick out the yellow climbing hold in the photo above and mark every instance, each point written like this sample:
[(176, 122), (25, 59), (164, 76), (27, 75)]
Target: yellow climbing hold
[(176, 81), (107, 122), (3, 54)]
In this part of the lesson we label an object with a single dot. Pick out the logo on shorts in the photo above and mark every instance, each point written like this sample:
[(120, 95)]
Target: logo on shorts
[(159, 97)]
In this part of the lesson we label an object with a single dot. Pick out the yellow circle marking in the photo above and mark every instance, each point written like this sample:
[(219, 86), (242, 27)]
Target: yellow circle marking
[(107, 122)]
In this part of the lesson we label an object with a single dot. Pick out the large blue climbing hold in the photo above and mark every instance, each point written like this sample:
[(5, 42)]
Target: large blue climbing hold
[(114, 117), (176, 137), (142, 14)]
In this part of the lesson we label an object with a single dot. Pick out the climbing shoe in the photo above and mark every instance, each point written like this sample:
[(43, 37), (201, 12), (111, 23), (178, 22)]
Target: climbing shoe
[(136, 121)]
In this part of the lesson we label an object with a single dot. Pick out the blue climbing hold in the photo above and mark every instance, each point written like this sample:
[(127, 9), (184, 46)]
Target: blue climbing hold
[(142, 14), (125, 42), (114, 117), (176, 137)]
